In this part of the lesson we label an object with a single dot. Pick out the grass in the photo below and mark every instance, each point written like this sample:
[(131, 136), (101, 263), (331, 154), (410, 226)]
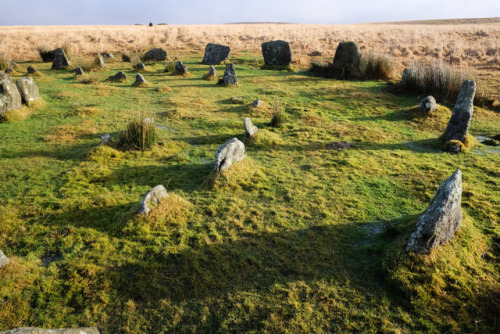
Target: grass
[(140, 134), (372, 67), (5, 60), (295, 238), (277, 115)]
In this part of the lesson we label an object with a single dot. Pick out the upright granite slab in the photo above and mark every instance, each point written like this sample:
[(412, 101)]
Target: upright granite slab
[(10, 98), (215, 54), (277, 53), (459, 123)]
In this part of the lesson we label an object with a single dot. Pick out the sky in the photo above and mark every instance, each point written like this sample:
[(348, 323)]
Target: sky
[(125, 12)]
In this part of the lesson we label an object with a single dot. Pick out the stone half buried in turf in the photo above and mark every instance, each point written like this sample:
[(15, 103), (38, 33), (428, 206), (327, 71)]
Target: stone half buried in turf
[(33, 330), (458, 126), (277, 53), (118, 76), (10, 98), (438, 223), (250, 128), (27, 89), (428, 104), (152, 196), (4, 260), (139, 79), (232, 151), (180, 68), (215, 54)]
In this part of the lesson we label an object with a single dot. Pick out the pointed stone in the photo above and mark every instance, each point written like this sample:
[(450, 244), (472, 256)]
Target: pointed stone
[(152, 196), (140, 66), (438, 223), (250, 128), (60, 59), (230, 75), (100, 61), (79, 71), (180, 68), (458, 126), (31, 70), (139, 79), (232, 151)]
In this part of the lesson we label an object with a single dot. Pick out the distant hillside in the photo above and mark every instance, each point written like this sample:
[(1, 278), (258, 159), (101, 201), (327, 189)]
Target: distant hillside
[(448, 21)]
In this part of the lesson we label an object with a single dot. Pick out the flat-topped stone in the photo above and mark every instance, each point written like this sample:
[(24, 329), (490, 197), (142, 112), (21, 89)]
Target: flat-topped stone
[(215, 54)]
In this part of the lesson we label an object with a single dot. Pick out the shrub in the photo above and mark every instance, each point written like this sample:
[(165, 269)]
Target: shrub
[(5, 61), (170, 67), (140, 134), (375, 66), (45, 53), (277, 115)]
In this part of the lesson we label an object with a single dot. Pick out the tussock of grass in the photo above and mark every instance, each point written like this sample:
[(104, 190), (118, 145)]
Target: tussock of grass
[(277, 115), (469, 142), (5, 60), (87, 110), (209, 77), (265, 139), (16, 115), (140, 134), (241, 175), (90, 78), (142, 84), (164, 89), (104, 154)]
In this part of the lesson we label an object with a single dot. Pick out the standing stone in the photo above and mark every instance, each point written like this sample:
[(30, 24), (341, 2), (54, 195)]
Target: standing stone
[(31, 70), (180, 68), (428, 104), (140, 66), (100, 61), (230, 75), (157, 54), (9, 95), (232, 151), (33, 330), (256, 103), (152, 196), (347, 54), (4, 260), (60, 59), (277, 53), (250, 128), (211, 71), (105, 139), (27, 89), (462, 114), (79, 71), (406, 77), (215, 54), (139, 79), (438, 223), (118, 76)]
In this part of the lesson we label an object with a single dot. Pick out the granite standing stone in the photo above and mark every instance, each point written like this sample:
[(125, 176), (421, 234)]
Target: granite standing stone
[(118, 76), (31, 70), (347, 55), (232, 151), (140, 66), (250, 128), (10, 98), (215, 54), (139, 79), (211, 71), (277, 53), (60, 59), (27, 89), (230, 75), (105, 139), (180, 68), (438, 223), (462, 113), (100, 61)]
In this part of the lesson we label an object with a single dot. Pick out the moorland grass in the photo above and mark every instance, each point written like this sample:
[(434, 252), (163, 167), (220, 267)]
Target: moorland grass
[(296, 238)]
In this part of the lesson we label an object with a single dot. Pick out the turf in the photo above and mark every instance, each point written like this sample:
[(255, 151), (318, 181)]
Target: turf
[(296, 238)]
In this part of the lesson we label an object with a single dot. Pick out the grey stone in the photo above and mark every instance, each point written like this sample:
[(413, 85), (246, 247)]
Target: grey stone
[(152, 196), (406, 77), (33, 330), (211, 71), (118, 76), (232, 151), (438, 223), (428, 104), (462, 113), (108, 55), (140, 66), (9, 70), (139, 79), (250, 128), (100, 61), (27, 89), (230, 75), (215, 54), (79, 71), (347, 55), (180, 68), (105, 139), (157, 54), (60, 59), (277, 53), (10, 98), (4, 260), (256, 103), (31, 69)]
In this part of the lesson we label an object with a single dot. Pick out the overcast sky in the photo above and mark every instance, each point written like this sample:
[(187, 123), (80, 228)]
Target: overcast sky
[(77, 12)]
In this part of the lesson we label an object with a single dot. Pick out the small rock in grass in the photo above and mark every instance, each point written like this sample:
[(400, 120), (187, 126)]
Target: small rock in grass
[(250, 128), (180, 68), (118, 76), (152, 196), (31, 70), (9, 70), (105, 139), (79, 71), (232, 151), (140, 66), (256, 103), (339, 145), (4, 260), (108, 55), (438, 223), (428, 104), (157, 54)]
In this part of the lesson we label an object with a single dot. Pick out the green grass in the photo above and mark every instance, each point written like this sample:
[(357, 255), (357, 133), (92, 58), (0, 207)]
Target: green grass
[(296, 238)]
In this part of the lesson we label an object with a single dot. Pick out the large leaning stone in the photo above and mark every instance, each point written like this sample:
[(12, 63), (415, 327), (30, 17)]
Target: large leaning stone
[(32, 330), (462, 113), (250, 128), (10, 98), (27, 89), (438, 223), (60, 59), (4, 260), (215, 54), (157, 54), (277, 53), (152, 196), (232, 151), (230, 75)]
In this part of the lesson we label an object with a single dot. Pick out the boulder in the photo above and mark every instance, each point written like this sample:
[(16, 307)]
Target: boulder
[(347, 54), (4, 260), (118, 76), (32, 330), (140, 66), (256, 103), (180, 68), (152, 196), (139, 79), (105, 139), (438, 223), (27, 89), (277, 53), (230, 75), (250, 128), (232, 151), (60, 59), (31, 70), (10, 98), (79, 71), (215, 54), (100, 61), (157, 54), (428, 104), (462, 114)]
